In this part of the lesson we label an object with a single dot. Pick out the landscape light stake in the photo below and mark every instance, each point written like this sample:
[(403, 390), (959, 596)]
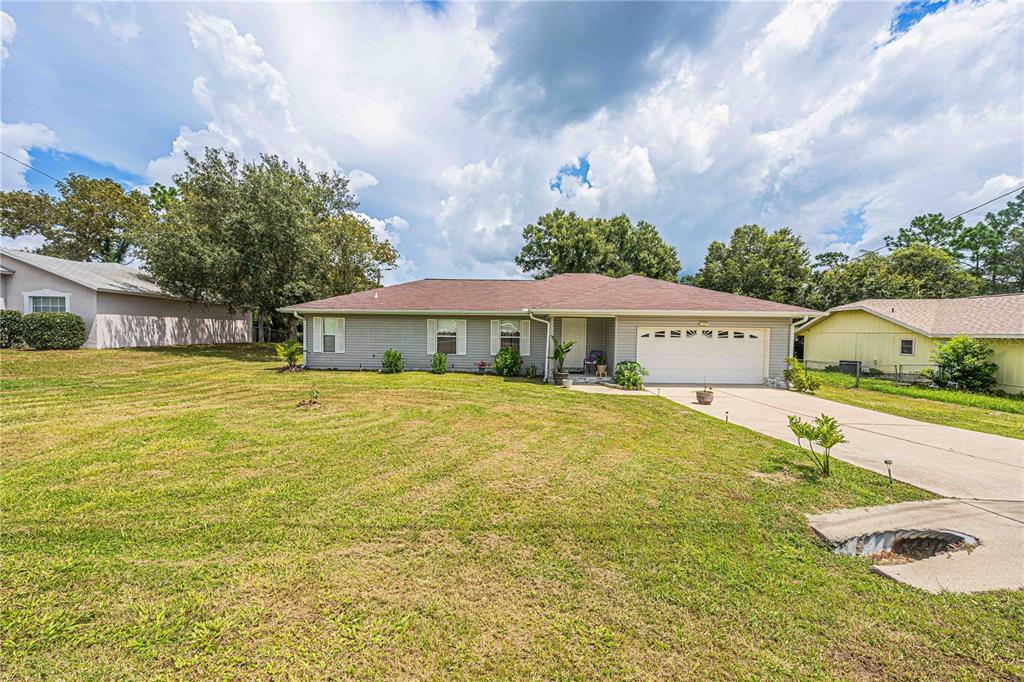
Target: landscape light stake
[(888, 465), (727, 416)]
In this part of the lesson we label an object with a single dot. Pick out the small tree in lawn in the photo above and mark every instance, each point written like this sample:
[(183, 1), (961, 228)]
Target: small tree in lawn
[(824, 432), (963, 364), (290, 352)]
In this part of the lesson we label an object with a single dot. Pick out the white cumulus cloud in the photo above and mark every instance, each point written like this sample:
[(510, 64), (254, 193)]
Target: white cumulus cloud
[(8, 29), (17, 139)]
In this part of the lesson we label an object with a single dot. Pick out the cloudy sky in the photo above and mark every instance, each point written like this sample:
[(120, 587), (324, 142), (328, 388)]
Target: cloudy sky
[(458, 124)]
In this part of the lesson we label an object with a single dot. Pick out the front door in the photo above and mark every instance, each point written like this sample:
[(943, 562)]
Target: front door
[(575, 329)]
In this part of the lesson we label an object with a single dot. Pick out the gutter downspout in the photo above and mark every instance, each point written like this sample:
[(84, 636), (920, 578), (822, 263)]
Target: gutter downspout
[(301, 319), (792, 332), (547, 341)]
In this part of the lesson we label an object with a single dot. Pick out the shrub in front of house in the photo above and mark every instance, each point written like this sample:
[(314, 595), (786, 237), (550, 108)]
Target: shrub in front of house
[(10, 328), (439, 364), (508, 362), (800, 379), (630, 375), (963, 363), (53, 331), (391, 362)]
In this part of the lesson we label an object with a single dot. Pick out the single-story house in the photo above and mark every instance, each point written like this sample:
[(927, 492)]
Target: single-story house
[(883, 333), (681, 334), (121, 307)]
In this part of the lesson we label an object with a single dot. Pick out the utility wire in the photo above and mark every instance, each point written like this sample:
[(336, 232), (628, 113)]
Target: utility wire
[(958, 215), (29, 167)]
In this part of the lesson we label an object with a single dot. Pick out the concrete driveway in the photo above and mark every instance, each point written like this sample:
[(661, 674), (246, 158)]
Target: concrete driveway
[(984, 473), (944, 460)]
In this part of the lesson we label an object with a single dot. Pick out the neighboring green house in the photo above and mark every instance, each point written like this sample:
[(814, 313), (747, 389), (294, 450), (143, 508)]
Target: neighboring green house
[(899, 334)]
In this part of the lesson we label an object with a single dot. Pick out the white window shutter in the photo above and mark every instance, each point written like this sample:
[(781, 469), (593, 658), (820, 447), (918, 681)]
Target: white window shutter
[(339, 335), (318, 335), (524, 338), (431, 337), (460, 338), (495, 341)]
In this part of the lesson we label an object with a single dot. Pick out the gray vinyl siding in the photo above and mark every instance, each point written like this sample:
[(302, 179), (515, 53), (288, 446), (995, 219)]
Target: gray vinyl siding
[(368, 336), (600, 337), (778, 350)]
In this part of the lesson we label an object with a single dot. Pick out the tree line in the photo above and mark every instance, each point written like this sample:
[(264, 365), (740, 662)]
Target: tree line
[(254, 235), (263, 233), (934, 257)]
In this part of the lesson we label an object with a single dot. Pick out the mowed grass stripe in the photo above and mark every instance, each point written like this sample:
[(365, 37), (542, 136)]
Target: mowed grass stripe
[(175, 514)]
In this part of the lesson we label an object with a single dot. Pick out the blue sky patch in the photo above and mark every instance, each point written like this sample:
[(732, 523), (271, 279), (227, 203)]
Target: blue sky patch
[(853, 228), (59, 164), (581, 170), (910, 13)]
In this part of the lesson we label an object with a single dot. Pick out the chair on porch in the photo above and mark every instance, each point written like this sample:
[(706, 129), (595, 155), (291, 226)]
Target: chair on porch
[(591, 362)]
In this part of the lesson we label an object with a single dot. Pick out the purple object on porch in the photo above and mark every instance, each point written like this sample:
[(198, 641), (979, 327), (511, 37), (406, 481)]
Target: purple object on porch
[(591, 361)]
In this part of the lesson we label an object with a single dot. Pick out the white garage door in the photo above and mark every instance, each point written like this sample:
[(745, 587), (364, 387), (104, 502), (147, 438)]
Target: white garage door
[(694, 355)]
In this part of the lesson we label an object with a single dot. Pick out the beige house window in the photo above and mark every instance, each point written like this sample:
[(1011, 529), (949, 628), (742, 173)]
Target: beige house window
[(46, 301), (906, 346)]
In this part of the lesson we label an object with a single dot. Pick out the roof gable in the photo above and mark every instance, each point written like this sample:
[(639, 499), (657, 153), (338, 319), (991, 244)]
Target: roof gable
[(1000, 316)]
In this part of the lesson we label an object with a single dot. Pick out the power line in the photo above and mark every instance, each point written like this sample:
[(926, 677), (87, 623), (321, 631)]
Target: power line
[(29, 167), (988, 202), (958, 215)]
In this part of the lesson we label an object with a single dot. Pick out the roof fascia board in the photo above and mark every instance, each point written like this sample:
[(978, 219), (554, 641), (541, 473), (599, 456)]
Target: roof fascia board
[(522, 312), (561, 313), (678, 313)]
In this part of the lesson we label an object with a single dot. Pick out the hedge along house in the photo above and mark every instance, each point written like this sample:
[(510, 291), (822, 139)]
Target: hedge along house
[(887, 333), (681, 334), (119, 305)]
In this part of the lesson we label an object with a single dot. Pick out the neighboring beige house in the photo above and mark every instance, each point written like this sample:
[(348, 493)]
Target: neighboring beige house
[(681, 334), (121, 307), (901, 333)]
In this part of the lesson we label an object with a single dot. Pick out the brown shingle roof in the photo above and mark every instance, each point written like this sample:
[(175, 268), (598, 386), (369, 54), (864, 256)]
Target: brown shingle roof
[(562, 292), (996, 316)]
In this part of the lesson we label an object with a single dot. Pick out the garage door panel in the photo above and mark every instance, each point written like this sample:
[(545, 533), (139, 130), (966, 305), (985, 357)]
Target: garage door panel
[(722, 356)]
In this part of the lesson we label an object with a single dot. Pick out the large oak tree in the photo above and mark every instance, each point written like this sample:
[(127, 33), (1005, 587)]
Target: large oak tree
[(563, 242), (89, 219), (262, 234), (774, 266)]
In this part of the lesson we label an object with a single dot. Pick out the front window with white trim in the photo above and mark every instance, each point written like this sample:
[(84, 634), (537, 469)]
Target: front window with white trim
[(47, 304), (510, 333), (447, 336), (330, 331)]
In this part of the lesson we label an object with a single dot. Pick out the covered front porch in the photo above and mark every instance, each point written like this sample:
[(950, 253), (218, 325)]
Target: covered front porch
[(594, 345)]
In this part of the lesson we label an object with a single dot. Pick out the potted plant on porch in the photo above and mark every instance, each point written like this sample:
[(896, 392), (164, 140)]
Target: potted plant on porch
[(707, 396), (558, 354), (602, 367)]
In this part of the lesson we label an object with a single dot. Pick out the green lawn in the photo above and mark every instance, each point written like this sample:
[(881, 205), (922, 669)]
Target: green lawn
[(1003, 416), (173, 513)]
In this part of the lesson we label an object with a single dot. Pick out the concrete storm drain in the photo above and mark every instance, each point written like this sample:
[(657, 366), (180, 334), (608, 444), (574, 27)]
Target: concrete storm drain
[(904, 546)]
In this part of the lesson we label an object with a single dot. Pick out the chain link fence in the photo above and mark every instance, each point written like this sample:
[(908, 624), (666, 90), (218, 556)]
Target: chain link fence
[(274, 335), (857, 370)]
